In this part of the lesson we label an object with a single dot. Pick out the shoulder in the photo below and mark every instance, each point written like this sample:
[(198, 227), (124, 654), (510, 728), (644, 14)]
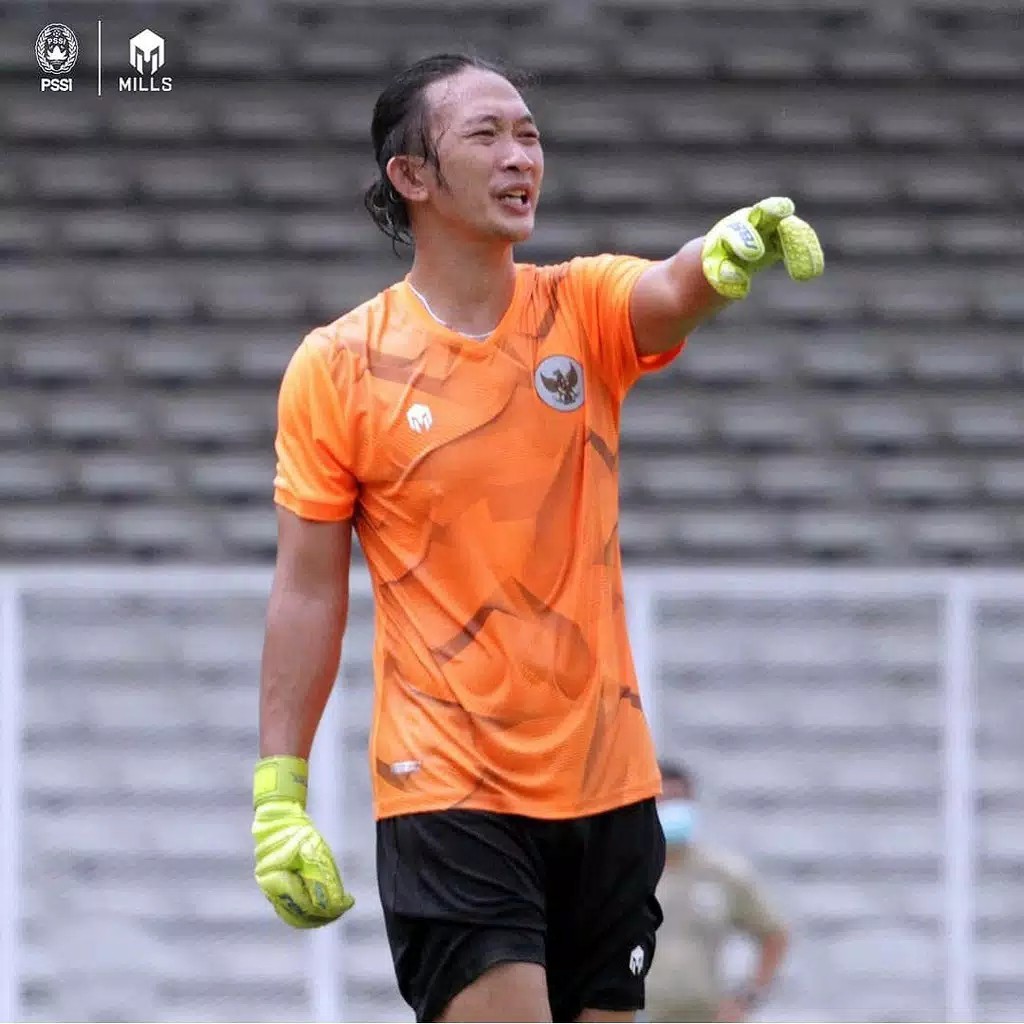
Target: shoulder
[(599, 283), (577, 266), (605, 265), (539, 276), (725, 865), (583, 270), (575, 270), (586, 281), (344, 344)]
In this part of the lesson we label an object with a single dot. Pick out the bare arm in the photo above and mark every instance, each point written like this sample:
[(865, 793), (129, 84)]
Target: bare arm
[(671, 299), (772, 949), (306, 619)]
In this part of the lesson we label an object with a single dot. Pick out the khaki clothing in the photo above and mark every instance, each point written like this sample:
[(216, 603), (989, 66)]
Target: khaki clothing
[(706, 898)]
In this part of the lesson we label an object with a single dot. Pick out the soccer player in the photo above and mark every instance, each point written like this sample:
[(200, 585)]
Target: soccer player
[(707, 897), (465, 422)]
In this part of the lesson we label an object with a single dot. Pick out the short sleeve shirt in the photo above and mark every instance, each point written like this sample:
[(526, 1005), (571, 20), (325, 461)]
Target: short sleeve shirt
[(482, 479), (706, 898)]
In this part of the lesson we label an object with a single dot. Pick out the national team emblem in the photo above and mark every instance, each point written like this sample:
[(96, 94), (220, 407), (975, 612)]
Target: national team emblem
[(56, 49), (559, 382)]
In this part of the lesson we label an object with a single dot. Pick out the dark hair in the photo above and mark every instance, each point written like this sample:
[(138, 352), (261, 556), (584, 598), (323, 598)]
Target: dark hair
[(672, 771), (401, 125)]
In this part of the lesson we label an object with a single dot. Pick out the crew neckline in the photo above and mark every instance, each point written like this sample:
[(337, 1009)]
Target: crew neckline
[(413, 304)]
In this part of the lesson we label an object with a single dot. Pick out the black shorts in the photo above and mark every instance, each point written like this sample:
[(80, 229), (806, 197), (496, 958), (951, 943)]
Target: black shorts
[(465, 890)]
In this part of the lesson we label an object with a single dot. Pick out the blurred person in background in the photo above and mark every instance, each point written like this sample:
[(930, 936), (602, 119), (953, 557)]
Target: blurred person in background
[(465, 422), (707, 897)]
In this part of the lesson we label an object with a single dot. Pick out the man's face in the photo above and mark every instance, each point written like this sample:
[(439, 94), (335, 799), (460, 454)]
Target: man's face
[(490, 157)]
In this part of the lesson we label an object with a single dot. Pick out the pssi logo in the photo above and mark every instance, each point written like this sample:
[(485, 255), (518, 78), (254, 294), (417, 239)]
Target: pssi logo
[(56, 54)]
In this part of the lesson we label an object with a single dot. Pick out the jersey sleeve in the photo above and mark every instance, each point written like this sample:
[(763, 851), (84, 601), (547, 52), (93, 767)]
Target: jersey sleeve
[(315, 443), (601, 287)]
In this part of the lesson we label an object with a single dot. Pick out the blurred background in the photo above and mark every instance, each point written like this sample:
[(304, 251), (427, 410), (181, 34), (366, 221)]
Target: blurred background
[(821, 500)]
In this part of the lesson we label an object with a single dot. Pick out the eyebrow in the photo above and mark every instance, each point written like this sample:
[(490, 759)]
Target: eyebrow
[(494, 119)]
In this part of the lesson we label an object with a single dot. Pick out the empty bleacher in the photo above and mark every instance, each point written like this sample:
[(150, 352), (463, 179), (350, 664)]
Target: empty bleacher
[(165, 253)]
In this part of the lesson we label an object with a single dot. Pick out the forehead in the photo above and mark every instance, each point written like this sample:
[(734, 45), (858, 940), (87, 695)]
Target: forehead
[(474, 93)]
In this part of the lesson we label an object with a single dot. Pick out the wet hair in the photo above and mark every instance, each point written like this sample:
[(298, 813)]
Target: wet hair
[(401, 124), (673, 771)]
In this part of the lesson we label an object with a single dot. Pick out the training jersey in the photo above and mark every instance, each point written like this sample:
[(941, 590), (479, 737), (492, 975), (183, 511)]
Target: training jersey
[(482, 481), (706, 897)]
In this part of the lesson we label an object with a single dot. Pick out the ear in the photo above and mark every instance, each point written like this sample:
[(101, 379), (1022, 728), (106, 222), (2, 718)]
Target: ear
[(407, 175)]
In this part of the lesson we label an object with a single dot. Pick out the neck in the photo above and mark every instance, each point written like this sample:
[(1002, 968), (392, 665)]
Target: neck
[(467, 285)]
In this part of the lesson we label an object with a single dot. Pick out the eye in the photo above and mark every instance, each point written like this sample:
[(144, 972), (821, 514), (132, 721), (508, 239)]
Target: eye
[(484, 133)]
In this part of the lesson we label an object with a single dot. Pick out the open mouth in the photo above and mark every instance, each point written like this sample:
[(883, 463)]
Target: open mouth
[(517, 199)]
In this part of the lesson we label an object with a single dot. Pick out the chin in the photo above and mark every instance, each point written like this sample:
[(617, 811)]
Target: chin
[(515, 233)]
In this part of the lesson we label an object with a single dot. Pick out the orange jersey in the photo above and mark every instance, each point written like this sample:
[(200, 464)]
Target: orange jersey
[(482, 478)]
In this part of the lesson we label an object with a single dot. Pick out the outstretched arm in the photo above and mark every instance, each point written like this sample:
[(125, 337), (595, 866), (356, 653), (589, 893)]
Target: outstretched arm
[(674, 297)]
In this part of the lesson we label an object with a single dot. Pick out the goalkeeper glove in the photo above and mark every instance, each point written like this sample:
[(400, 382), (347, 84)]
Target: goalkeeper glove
[(755, 238), (294, 865)]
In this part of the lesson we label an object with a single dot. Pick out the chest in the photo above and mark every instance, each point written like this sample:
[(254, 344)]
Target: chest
[(501, 417), (701, 900)]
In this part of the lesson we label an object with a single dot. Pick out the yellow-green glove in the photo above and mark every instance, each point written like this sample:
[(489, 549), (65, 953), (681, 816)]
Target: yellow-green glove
[(294, 865), (756, 237)]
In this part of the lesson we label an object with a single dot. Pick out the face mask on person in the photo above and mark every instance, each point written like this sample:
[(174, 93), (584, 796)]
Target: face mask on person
[(677, 820)]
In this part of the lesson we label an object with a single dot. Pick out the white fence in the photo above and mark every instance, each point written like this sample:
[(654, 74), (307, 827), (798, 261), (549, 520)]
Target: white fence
[(688, 628)]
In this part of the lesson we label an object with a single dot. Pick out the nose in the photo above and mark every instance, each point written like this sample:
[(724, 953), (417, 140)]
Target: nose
[(518, 157)]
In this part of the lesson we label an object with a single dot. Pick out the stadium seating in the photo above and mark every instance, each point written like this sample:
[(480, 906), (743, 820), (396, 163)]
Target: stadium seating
[(163, 254), (165, 230)]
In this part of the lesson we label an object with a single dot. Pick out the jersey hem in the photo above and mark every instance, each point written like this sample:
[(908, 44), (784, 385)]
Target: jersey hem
[(659, 360), (543, 812), (320, 511)]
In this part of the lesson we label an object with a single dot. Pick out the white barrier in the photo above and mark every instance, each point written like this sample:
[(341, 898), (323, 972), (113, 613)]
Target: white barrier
[(10, 800), (959, 593)]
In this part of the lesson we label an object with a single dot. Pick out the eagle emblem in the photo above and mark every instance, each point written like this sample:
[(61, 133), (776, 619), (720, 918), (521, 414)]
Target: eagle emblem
[(559, 383), (562, 385)]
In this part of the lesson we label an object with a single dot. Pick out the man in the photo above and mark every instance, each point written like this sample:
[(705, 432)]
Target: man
[(706, 898), (465, 422)]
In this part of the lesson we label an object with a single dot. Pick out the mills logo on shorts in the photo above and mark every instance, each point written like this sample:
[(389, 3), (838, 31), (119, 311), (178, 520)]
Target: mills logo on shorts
[(146, 54), (56, 54), (636, 960)]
